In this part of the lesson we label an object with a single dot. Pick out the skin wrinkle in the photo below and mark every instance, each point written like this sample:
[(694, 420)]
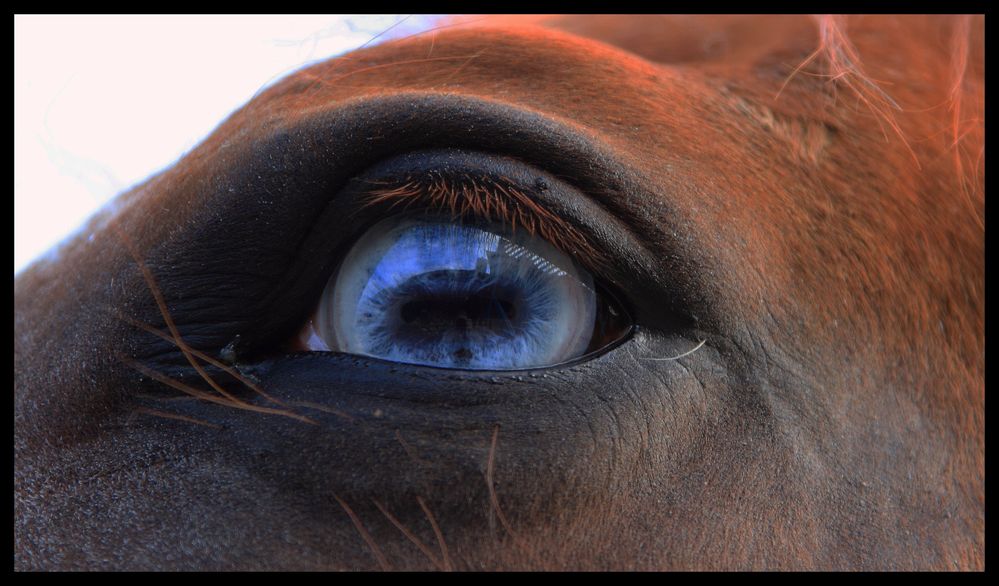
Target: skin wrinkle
[(828, 422), (646, 434)]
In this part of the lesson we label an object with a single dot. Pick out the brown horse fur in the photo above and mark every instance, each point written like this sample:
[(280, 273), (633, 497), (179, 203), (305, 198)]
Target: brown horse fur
[(800, 197)]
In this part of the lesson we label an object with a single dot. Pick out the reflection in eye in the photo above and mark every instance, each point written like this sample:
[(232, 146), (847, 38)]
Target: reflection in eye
[(425, 290)]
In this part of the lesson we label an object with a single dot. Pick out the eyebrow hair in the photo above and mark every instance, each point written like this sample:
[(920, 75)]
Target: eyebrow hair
[(487, 198)]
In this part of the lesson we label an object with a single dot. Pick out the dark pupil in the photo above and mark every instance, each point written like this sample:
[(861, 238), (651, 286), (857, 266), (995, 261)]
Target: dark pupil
[(460, 312), (454, 302)]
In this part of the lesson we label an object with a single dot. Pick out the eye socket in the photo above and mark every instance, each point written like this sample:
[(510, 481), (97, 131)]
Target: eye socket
[(474, 295)]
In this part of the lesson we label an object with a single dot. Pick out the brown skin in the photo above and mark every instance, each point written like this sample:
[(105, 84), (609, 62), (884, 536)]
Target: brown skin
[(833, 419)]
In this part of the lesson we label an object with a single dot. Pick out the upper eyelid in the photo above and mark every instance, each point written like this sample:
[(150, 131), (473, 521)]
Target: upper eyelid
[(591, 183), (306, 181)]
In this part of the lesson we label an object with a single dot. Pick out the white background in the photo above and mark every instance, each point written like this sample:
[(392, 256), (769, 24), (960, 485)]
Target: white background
[(101, 102)]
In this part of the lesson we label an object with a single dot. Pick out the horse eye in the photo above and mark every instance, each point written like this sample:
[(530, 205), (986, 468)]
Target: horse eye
[(474, 295)]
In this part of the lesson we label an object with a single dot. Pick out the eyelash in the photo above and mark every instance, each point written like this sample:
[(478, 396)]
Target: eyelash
[(483, 198)]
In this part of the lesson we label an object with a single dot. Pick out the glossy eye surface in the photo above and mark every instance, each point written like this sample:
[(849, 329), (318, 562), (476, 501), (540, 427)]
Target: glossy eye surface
[(478, 296)]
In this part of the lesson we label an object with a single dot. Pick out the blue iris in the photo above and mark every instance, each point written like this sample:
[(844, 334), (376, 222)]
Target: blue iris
[(427, 291)]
